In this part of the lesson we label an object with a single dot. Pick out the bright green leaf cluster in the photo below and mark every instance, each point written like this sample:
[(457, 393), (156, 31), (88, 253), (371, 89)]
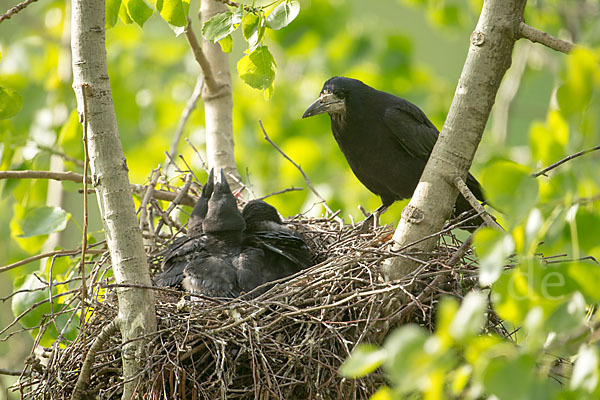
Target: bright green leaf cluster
[(257, 68)]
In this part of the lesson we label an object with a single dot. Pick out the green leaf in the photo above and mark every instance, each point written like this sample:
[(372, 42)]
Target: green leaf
[(505, 378), (11, 103), (124, 14), (253, 29), (407, 363), (69, 137), (585, 370), (226, 44), (548, 141), (257, 69), (283, 14), (444, 315), (568, 316), (587, 276), (470, 317), (383, 393), (492, 248), (503, 180), (43, 221), (138, 11), (365, 358), (582, 69), (175, 12), (112, 13), (220, 26)]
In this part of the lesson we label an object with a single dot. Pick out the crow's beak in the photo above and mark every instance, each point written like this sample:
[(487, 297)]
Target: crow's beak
[(327, 103)]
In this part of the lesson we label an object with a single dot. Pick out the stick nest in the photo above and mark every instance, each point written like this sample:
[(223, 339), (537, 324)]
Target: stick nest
[(288, 343)]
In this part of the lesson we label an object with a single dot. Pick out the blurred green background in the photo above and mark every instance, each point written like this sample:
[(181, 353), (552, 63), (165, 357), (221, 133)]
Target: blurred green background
[(414, 49)]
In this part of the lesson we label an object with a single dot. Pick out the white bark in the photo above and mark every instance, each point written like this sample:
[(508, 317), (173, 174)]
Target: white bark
[(218, 105), (487, 61), (110, 178)]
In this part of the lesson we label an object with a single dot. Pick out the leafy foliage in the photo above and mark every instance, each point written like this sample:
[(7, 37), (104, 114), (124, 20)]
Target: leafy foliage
[(257, 68)]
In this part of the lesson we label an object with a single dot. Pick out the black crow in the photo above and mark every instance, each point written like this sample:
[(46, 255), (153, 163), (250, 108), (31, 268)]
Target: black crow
[(285, 251), (213, 262), (386, 140)]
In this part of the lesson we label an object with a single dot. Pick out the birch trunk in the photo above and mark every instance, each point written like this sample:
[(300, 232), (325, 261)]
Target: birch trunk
[(110, 177), (489, 57), (218, 104)]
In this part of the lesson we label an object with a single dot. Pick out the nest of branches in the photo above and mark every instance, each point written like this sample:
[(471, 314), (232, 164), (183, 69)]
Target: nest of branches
[(288, 343)]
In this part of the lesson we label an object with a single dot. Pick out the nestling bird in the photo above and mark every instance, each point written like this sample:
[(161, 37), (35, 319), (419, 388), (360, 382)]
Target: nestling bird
[(386, 140), (285, 250), (213, 262)]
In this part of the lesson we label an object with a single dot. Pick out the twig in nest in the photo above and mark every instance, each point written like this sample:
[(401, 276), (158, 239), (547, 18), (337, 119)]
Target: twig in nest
[(468, 195), (154, 175), (564, 160), (86, 368), (308, 183), (180, 195)]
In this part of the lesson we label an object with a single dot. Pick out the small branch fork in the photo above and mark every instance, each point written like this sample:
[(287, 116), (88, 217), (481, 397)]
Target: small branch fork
[(308, 183), (536, 36)]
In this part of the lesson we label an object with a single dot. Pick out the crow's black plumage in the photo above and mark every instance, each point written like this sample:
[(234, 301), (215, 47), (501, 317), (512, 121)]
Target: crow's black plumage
[(285, 251), (386, 140), (212, 260)]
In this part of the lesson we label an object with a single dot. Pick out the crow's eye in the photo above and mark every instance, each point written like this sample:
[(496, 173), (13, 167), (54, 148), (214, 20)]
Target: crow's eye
[(340, 94)]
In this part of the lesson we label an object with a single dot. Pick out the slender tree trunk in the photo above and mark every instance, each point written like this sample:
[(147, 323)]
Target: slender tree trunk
[(110, 177), (488, 59), (218, 104)]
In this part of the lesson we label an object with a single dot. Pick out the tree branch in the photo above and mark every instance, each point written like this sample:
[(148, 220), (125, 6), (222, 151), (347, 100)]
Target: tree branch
[(16, 9), (78, 178), (185, 115), (470, 197), (536, 36), (200, 57), (564, 160)]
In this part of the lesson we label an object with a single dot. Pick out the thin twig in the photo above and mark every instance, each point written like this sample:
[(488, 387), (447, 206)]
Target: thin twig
[(154, 175), (290, 189), (544, 38), (28, 260), (200, 57), (308, 183), (468, 195), (564, 160), (16, 9), (185, 116)]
